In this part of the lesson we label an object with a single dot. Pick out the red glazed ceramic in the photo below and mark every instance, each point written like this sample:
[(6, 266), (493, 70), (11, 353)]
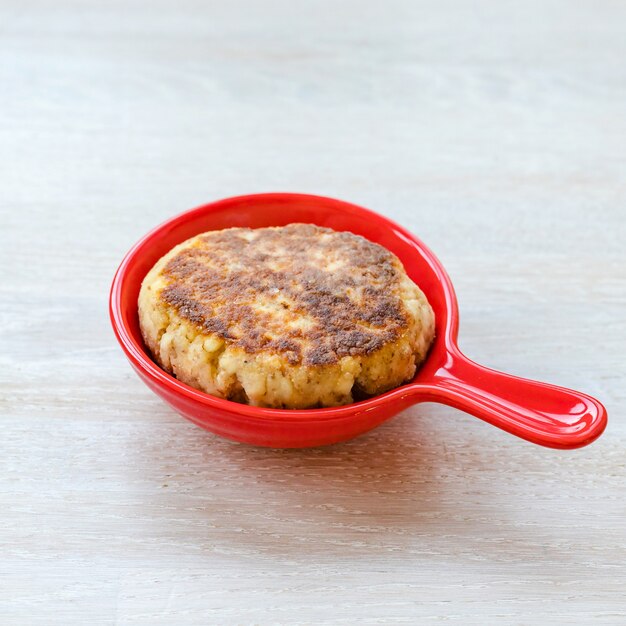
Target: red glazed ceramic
[(538, 412)]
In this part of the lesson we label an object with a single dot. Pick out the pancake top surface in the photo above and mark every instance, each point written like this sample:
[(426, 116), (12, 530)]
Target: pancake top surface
[(310, 294)]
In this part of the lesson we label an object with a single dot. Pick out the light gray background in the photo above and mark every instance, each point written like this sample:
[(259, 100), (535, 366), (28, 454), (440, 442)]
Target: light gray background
[(496, 131)]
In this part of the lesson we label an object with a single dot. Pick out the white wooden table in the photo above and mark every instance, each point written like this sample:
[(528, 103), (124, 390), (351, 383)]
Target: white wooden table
[(495, 131)]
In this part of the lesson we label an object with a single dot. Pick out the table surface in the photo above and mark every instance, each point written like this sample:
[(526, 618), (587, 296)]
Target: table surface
[(495, 131)]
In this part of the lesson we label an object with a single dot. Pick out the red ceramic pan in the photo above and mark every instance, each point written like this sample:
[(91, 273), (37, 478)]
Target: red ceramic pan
[(541, 413)]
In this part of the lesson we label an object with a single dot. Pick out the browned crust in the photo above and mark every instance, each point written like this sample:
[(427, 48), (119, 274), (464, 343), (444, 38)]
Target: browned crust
[(353, 310)]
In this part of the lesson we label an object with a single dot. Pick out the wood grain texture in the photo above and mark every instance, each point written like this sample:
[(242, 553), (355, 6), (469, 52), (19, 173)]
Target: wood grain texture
[(495, 131)]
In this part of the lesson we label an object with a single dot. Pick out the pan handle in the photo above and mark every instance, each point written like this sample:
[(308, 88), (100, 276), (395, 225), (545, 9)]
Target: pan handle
[(538, 412)]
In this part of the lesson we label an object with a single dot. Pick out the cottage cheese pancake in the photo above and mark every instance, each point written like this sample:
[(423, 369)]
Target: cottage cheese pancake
[(293, 317)]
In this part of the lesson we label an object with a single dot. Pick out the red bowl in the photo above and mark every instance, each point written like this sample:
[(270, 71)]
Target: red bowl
[(541, 413)]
